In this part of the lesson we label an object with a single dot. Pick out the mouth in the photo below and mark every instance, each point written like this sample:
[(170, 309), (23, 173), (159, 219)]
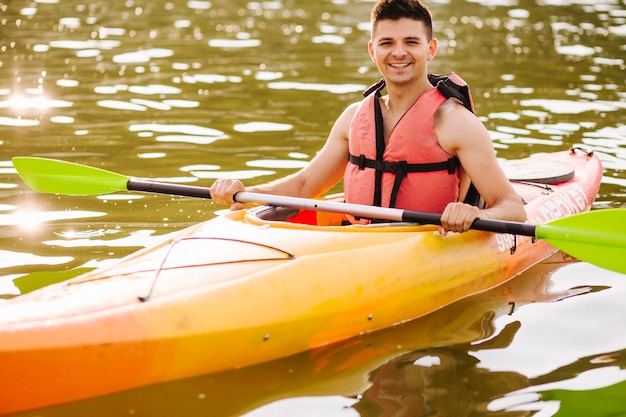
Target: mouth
[(400, 66)]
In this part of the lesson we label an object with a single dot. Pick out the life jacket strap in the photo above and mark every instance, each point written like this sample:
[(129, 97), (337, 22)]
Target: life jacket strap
[(401, 169), (403, 166)]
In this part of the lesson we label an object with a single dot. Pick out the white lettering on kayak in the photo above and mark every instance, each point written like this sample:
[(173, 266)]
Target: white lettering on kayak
[(505, 242), (565, 204), (573, 201), (579, 197)]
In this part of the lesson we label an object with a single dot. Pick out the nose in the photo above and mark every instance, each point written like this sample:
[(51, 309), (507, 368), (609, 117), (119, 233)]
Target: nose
[(399, 50)]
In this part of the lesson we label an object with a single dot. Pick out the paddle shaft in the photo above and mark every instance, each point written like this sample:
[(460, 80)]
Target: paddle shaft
[(357, 210), (382, 213), (156, 187)]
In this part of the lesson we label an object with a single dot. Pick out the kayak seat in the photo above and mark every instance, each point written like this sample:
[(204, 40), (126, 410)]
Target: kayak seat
[(292, 215), (273, 213)]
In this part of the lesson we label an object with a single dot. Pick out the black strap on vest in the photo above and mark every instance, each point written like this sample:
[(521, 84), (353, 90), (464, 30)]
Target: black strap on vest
[(380, 149), (449, 88), (402, 168)]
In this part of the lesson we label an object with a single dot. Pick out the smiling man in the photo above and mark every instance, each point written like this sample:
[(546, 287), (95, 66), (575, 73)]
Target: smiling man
[(414, 148)]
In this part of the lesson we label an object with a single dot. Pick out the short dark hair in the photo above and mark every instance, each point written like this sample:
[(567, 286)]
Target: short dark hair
[(397, 9)]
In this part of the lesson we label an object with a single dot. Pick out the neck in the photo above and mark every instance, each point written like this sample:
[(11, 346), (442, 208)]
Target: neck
[(400, 97)]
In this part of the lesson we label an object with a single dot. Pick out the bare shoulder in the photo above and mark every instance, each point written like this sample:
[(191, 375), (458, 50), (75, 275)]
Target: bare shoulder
[(349, 112), (341, 128), (457, 127)]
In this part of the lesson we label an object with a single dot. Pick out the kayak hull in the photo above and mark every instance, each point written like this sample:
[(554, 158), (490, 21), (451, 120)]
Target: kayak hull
[(238, 290)]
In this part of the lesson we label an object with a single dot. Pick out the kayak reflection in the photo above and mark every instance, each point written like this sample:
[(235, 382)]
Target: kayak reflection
[(441, 381)]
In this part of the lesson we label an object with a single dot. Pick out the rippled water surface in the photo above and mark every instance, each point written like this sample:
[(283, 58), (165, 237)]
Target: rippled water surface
[(189, 91)]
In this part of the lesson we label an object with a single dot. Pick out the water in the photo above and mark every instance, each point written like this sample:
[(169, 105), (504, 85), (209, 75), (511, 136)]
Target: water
[(187, 91)]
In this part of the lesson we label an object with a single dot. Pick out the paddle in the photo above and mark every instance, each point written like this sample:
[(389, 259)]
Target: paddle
[(598, 237)]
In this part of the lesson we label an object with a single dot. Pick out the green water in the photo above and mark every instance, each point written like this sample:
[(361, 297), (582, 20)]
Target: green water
[(188, 91)]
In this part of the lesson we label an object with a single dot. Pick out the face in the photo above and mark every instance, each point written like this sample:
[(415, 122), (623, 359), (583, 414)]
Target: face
[(401, 49)]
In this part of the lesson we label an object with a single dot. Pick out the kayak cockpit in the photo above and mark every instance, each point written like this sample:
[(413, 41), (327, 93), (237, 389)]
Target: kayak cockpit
[(271, 213), (321, 220)]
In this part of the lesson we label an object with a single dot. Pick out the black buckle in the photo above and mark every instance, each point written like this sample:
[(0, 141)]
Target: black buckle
[(361, 162)]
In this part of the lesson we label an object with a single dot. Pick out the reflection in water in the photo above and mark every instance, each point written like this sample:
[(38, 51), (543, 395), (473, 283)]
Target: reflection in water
[(436, 382), (188, 91)]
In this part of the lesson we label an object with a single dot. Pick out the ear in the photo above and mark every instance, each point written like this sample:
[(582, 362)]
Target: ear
[(370, 49), (432, 49)]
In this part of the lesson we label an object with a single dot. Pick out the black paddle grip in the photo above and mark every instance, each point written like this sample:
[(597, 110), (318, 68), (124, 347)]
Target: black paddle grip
[(167, 188), (496, 226)]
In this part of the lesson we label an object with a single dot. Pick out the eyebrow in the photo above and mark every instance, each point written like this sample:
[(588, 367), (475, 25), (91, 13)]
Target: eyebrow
[(387, 38)]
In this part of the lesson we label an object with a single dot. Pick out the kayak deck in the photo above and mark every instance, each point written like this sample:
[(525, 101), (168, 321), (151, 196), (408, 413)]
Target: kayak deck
[(239, 289)]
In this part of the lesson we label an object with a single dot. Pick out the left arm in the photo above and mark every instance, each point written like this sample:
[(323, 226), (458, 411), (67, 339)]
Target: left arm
[(461, 134)]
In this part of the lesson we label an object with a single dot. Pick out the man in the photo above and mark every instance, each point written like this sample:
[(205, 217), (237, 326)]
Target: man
[(401, 45)]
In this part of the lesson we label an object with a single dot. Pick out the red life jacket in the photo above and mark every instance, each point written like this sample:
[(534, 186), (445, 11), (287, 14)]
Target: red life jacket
[(412, 171)]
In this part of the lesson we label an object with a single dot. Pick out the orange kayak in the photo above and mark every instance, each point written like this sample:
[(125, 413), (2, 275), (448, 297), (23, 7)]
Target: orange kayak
[(242, 289)]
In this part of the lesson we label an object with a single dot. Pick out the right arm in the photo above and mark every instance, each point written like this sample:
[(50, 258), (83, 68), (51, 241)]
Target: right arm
[(324, 171)]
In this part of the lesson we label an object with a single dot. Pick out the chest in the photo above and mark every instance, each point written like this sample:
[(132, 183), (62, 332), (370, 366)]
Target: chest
[(390, 121), (409, 117)]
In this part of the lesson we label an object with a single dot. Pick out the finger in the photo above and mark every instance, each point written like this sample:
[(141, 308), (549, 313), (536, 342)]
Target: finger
[(449, 218), (221, 192), (237, 206), (469, 215), (459, 217)]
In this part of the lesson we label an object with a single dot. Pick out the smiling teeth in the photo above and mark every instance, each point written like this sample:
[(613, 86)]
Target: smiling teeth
[(399, 65)]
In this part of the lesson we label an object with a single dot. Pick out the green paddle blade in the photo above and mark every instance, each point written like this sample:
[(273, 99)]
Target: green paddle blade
[(598, 237), (60, 177)]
